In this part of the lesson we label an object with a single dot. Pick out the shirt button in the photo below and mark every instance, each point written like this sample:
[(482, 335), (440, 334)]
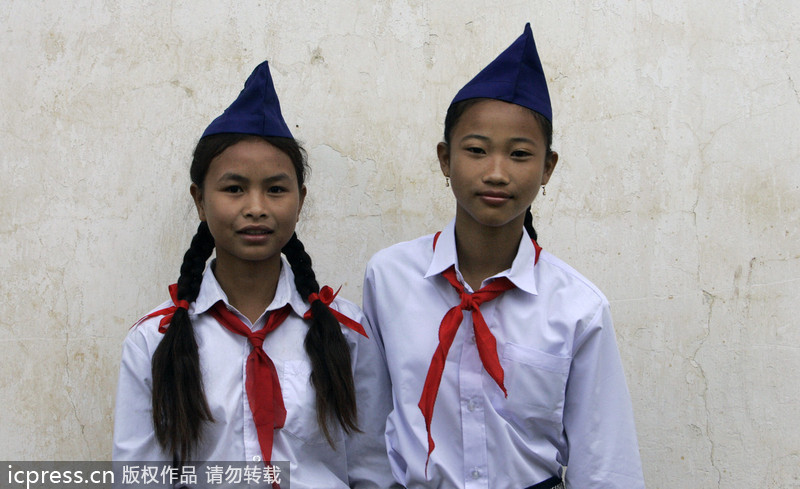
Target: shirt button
[(472, 339), (256, 458), (476, 474)]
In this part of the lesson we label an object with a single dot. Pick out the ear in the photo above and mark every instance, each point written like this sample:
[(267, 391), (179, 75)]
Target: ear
[(303, 192), (197, 196), (549, 166), (443, 152)]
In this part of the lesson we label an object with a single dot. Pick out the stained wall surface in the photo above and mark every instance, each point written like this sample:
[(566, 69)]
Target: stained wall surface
[(677, 192)]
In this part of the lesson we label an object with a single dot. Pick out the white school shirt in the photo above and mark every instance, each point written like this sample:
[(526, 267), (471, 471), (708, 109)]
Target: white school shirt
[(567, 405), (358, 461)]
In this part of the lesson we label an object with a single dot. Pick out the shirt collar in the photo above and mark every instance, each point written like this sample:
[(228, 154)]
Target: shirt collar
[(521, 272), (286, 293), (522, 268), (444, 253)]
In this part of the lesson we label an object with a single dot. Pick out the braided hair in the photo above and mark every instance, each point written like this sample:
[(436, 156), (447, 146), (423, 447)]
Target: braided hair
[(180, 407), (179, 401), (331, 374), (456, 110)]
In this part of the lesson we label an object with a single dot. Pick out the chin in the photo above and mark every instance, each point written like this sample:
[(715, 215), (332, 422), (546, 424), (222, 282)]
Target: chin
[(495, 219)]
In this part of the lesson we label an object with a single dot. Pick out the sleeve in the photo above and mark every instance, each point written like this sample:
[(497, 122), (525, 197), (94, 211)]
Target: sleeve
[(603, 451), (134, 437), (371, 308), (367, 462)]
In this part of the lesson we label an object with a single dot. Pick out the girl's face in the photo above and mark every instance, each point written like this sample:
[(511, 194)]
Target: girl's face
[(496, 163), (251, 200)]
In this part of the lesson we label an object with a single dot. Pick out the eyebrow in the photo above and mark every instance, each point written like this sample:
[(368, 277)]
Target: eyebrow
[(524, 140), (230, 176), (475, 136), (513, 140)]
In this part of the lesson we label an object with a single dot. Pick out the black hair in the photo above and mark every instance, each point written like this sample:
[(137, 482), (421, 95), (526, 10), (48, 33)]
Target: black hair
[(456, 110), (180, 407)]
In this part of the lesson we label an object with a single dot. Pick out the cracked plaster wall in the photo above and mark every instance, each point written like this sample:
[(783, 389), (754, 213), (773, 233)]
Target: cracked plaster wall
[(677, 191)]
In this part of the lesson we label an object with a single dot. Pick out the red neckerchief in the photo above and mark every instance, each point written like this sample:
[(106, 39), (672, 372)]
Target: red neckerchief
[(262, 377), (484, 339), (262, 383), (326, 295)]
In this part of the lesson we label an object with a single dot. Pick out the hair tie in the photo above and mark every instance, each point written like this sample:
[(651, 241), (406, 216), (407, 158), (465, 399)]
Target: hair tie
[(326, 296), (167, 312)]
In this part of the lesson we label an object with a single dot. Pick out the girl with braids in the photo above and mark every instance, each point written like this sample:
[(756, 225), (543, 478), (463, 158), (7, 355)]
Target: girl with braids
[(513, 348), (250, 360)]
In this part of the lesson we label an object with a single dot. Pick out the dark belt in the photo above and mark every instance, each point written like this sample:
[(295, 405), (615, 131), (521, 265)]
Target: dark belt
[(551, 483)]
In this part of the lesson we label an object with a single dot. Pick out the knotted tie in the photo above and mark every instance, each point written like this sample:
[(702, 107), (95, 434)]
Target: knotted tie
[(262, 384), (485, 340), (487, 345)]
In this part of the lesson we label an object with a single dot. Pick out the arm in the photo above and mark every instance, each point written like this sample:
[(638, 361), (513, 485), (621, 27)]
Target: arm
[(367, 462), (134, 437), (598, 419)]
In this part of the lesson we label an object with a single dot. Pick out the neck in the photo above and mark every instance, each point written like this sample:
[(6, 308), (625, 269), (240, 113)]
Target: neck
[(484, 251), (250, 286)]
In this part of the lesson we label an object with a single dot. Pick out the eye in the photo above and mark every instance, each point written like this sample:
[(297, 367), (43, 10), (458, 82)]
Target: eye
[(521, 154), (276, 189), (233, 189), (475, 150)]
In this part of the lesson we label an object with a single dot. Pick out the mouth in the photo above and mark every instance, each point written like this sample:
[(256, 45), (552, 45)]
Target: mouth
[(255, 231), (494, 198)]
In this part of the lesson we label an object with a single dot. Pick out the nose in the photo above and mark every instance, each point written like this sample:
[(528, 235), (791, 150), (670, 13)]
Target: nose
[(496, 172), (255, 206)]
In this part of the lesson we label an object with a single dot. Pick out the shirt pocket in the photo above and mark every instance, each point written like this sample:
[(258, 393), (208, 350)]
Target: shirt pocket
[(536, 383), (300, 400)]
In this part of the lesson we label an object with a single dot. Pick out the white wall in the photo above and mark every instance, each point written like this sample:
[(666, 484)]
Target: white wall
[(677, 192)]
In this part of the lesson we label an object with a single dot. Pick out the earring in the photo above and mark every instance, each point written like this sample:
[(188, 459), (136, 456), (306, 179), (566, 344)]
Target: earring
[(544, 190), (446, 181)]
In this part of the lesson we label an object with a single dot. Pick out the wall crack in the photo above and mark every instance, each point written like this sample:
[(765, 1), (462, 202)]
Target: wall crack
[(709, 299), (68, 391)]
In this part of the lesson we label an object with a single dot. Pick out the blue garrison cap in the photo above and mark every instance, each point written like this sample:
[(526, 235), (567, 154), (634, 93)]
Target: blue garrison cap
[(255, 111), (515, 76)]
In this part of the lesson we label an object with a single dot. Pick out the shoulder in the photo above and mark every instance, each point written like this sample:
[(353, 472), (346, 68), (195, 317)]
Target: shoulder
[(351, 311), (554, 276), (571, 300), (348, 308), (404, 254), (144, 334)]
